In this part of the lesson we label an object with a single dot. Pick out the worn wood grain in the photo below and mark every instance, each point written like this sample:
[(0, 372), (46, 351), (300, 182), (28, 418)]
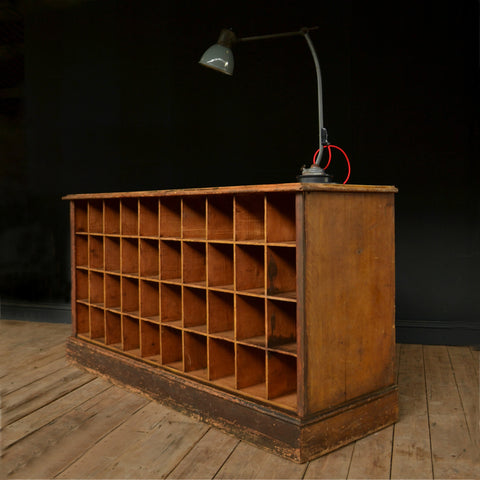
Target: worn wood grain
[(38, 419), (38, 368), (350, 342), (85, 433), (159, 451), (371, 456), (467, 381), (283, 187), (248, 461), (101, 455), (206, 458), (411, 456), (454, 454), (332, 466), (42, 392), (64, 439)]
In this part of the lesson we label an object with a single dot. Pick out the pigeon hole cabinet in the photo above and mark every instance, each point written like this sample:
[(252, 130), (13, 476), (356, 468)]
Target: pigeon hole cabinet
[(266, 311)]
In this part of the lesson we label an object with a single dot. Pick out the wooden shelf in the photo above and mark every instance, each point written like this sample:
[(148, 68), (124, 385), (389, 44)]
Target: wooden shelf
[(280, 295)]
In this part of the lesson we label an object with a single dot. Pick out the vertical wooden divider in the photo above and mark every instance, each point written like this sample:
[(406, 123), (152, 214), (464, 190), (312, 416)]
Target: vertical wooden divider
[(207, 284), (104, 276), (265, 285), (73, 266), (160, 305), (182, 279), (235, 345)]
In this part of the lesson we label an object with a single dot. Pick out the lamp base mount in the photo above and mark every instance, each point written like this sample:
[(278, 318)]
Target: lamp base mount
[(314, 174)]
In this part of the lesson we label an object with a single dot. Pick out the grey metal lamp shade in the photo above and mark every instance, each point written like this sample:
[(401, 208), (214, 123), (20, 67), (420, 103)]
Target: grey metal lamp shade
[(219, 58)]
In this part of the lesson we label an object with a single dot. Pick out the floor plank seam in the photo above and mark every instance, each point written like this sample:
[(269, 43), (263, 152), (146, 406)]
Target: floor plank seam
[(187, 453), (109, 432), (36, 380), (226, 460), (307, 466), (392, 452), (43, 406), (432, 466), (460, 396), (350, 462)]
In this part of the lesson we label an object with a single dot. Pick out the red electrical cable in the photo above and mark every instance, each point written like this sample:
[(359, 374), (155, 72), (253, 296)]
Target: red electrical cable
[(330, 158)]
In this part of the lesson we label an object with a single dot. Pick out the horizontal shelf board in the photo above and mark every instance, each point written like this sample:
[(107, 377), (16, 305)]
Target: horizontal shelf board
[(226, 241), (175, 365), (201, 373), (174, 324), (132, 313), (82, 267), (258, 241), (84, 233), (172, 281), (288, 401), (152, 278), (259, 390), (134, 237), (113, 272), (222, 288), (115, 346), (197, 329), (115, 309), (201, 284), (193, 239), (225, 335), (288, 348), (135, 352), (289, 243), (130, 274), (175, 239), (252, 292), (97, 305), (152, 319), (225, 382), (83, 301), (100, 340), (285, 296), (97, 270), (258, 341), (154, 359)]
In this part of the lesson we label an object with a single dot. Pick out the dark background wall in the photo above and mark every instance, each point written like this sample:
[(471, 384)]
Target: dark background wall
[(107, 95)]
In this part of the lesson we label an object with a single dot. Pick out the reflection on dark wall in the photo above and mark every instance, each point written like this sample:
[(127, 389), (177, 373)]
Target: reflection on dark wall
[(113, 99)]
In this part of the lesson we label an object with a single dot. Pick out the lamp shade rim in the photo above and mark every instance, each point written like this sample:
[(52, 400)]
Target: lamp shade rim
[(218, 57)]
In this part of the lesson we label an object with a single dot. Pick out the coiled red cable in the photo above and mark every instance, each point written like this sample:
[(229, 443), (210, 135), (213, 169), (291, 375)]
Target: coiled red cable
[(329, 147)]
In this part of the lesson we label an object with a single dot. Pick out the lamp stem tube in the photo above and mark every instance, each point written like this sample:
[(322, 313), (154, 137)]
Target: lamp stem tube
[(320, 96), (267, 37)]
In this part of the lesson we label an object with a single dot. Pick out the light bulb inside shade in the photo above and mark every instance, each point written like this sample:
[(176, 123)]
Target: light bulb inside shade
[(219, 58)]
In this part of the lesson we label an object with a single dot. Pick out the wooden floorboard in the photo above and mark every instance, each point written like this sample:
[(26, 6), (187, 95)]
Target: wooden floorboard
[(411, 456), (61, 422)]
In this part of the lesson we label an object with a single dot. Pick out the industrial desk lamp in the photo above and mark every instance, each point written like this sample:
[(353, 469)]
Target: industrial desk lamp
[(220, 57)]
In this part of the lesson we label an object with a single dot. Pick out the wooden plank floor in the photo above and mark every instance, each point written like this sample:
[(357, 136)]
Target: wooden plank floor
[(60, 422)]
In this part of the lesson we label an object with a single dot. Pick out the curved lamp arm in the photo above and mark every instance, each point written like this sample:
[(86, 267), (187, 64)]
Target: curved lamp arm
[(220, 58)]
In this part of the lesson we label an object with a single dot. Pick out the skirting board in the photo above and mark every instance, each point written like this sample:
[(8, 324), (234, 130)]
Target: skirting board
[(36, 312), (437, 333), (274, 429)]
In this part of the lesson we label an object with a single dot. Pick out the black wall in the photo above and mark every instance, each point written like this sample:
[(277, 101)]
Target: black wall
[(112, 99)]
